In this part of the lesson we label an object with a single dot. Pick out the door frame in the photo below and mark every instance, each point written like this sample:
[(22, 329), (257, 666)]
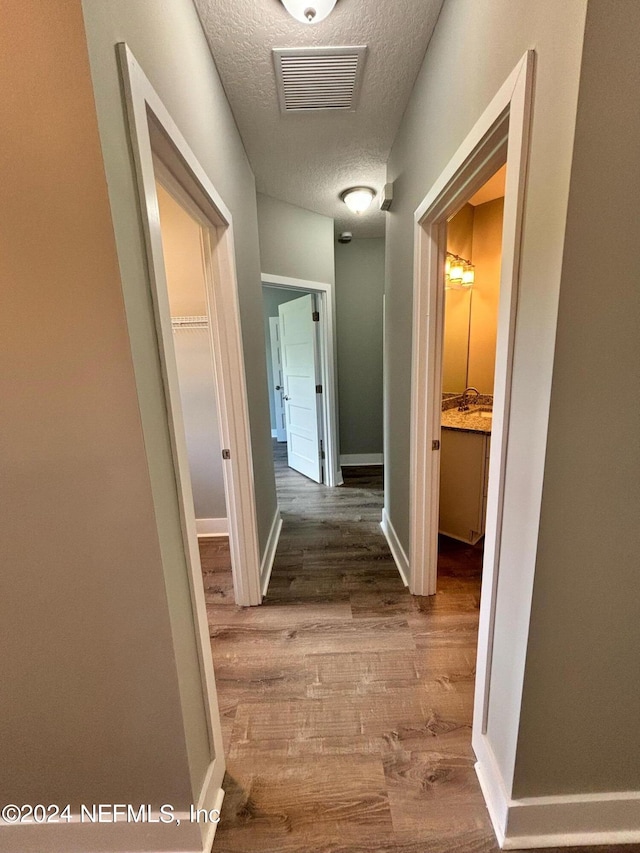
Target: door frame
[(328, 358), (155, 139), (298, 462), (274, 341), (500, 135)]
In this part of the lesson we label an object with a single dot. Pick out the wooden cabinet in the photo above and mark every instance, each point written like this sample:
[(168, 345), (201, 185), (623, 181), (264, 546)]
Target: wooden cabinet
[(464, 473)]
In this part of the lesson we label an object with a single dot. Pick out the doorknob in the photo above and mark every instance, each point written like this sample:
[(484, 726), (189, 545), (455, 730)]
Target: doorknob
[(286, 398)]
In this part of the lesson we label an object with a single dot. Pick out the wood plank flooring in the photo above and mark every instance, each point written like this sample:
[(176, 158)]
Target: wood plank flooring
[(346, 702)]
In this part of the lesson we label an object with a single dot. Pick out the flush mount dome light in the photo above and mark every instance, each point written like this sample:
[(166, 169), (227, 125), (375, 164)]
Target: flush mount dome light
[(309, 11), (358, 199)]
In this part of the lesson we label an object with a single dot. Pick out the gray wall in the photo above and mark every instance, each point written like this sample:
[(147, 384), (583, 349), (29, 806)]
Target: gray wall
[(359, 305), (200, 414), (91, 708), (581, 702), (167, 39), (295, 242), (186, 288), (475, 46), (274, 296)]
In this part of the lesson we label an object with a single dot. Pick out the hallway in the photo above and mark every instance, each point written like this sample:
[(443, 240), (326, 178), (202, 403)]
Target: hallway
[(346, 702)]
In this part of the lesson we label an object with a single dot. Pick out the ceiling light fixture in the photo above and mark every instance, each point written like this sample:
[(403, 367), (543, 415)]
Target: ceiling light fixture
[(358, 199), (309, 11)]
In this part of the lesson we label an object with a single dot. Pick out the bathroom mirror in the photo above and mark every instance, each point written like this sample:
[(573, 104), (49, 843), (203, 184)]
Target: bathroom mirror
[(457, 308), (471, 313), (455, 351)]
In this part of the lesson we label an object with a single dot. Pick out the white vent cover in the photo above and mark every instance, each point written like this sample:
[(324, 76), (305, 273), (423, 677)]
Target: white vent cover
[(318, 78)]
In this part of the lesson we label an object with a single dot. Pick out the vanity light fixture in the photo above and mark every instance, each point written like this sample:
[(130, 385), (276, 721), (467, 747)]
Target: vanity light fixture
[(309, 11), (459, 274), (358, 199)]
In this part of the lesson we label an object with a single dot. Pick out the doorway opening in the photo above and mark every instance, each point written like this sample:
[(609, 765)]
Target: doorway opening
[(162, 156), (499, 137), (171, 182), (471, 298), (296, 399), (190, 323), (299, 319)]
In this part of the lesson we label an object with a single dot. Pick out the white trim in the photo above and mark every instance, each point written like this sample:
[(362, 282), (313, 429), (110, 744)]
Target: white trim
[(208, 528), (326, 290), (501, 134), (156, 142), (491, 784), (213, 800), (395, 546), (77, 836), (274, 360), (141, 103), (572, 821), (352, 459), (568, 820), (165, 155), (271, 280), (270, 551)]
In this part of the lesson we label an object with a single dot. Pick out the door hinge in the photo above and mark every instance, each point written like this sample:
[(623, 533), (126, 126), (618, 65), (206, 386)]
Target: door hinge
[(316, 316), (321, 449), (435, 445), (318, 389), (226, 454)]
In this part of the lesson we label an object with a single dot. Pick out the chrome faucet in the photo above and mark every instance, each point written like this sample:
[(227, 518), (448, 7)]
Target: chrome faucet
[(464, 401)]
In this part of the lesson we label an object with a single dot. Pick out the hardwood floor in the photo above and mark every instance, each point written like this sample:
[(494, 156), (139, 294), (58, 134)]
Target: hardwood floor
[(346, 702)]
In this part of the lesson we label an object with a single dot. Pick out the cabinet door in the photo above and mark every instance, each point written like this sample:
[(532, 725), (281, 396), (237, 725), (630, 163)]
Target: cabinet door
[(462, 480)]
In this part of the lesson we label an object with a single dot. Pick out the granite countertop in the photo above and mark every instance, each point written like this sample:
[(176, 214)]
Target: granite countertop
[(471, 421)]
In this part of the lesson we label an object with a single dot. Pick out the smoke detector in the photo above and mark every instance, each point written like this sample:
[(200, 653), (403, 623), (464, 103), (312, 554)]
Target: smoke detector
[(386, 197), (345, 237)]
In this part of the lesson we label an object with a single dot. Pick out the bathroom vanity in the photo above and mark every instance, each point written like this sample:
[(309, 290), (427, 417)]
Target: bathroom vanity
[(464, 472)]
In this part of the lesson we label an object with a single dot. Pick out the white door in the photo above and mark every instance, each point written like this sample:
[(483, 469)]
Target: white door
[(277, 392), (298, 346)]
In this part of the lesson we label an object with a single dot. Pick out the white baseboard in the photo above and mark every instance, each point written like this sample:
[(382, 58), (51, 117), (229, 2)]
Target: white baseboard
[(573, 820), (211, 827), (269, 555), (274, 433), (209, 527), (396, 548), (78, 837), (491, 784), (352, 459)]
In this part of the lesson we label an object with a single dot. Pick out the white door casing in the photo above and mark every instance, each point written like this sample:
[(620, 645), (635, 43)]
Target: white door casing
[(299, 348), (500, 135), (324, 293), (277, 390), (157, 145)]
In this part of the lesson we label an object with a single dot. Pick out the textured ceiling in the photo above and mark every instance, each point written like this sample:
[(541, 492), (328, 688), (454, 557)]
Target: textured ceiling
[(307, 159)]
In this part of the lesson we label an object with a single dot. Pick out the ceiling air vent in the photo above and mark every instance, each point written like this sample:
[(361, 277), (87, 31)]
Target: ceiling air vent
[(318, 78)]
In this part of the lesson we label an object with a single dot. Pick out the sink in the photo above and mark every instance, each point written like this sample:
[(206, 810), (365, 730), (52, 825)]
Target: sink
[(482, 411)]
